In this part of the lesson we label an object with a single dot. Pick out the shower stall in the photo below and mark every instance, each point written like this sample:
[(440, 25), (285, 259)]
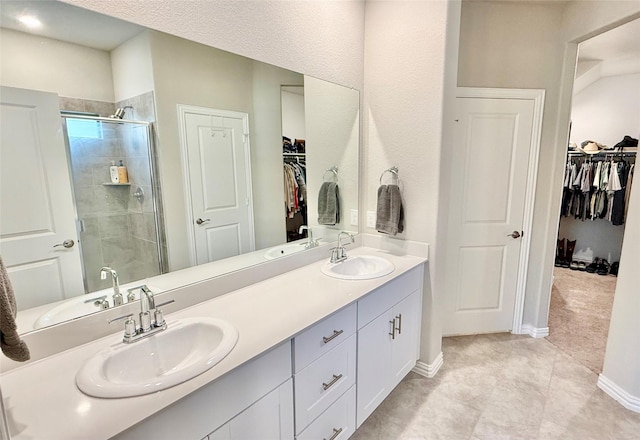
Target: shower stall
[(119, 223)]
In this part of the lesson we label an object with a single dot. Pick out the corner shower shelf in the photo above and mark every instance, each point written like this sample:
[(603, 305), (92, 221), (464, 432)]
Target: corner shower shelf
[(116, 184)]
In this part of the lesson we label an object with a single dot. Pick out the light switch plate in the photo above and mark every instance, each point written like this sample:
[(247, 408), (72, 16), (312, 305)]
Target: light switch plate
[(371, 219), (354, 217)]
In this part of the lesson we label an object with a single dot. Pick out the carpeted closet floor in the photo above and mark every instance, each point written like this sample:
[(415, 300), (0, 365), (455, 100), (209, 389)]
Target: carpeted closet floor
[(579, 315)]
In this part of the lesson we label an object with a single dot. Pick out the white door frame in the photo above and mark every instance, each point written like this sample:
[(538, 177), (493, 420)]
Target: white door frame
[(182, 111), (537, 96)]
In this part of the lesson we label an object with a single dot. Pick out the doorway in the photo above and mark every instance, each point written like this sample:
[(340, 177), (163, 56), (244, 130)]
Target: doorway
[(496, 146), (598, 177), (217, 170)]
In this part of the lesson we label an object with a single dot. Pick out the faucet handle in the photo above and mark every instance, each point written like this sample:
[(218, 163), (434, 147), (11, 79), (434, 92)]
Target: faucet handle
[(158, 315), (129, 324), (131, 296)]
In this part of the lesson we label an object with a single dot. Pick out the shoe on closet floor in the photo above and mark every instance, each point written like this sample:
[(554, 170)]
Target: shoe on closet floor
[(603, 267), (575, 265), (614, 269), (559, 252), (568, 256), (591, 268), (582, 266)]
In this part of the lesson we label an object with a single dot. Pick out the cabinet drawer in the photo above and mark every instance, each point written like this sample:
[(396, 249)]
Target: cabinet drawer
[(322, 337), (385, 297), (324, 381), (336, 423)]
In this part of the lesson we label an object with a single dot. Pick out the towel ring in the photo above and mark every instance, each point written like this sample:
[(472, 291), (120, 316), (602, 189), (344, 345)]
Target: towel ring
[(393, 170), (333, 170)]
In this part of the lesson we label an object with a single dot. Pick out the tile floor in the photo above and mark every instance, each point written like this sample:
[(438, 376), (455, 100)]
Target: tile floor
[(499, 387)]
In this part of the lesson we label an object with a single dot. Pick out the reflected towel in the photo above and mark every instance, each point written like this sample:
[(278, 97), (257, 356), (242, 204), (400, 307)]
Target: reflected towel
[(12, 346), (329, 204), (390, 213)]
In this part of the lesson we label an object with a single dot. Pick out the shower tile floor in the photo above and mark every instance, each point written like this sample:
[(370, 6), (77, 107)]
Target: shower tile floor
[(501, 387)]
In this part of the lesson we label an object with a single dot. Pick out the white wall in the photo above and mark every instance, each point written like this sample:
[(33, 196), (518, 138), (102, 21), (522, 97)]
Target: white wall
[(332, 140), (132, 68), (402, 123), (607, 110), (319, 38), (266, 153), (71, 70), (622, 358), (293, 114)]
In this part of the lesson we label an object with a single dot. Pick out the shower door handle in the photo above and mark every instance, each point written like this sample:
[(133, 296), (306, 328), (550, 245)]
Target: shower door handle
[(200, 221), (67, 244)]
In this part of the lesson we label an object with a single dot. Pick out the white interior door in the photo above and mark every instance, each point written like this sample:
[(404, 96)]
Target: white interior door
[(36, 202), (215, 147), (493, 142)]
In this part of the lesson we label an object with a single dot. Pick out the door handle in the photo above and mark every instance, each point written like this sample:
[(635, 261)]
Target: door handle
[(515, 234), (200, 221), (67, 244)]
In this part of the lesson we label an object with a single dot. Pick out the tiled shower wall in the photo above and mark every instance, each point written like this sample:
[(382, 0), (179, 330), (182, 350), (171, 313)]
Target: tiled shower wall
[(119, 231)]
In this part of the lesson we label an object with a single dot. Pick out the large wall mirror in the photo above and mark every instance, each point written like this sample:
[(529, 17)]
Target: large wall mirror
[(130, 152)]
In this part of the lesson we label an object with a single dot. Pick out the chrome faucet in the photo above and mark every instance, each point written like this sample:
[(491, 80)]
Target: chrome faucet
[(148, 326), (312, 243), (117, 296), (338, 253)]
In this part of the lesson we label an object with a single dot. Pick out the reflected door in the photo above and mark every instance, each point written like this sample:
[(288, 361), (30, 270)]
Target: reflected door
[(215, 146), (491, 159), (38, 237)]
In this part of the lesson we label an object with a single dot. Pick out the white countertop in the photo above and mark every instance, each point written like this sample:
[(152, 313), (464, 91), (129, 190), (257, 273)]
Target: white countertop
[(42, 401)]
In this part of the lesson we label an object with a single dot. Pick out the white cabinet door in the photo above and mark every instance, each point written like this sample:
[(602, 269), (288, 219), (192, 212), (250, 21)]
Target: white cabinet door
[(404, 349), (374, 364), (269, 418)]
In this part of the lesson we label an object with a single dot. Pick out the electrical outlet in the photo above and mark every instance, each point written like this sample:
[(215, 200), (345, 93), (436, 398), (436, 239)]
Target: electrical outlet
[(371, 219), (354, 217)]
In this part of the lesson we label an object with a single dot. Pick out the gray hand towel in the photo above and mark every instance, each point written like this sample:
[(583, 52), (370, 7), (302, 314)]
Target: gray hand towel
[(12, 346), (329, 204), (390, 213)]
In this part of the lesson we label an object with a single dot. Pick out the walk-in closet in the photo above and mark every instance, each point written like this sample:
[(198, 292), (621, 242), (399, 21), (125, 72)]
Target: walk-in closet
[(598, 177)]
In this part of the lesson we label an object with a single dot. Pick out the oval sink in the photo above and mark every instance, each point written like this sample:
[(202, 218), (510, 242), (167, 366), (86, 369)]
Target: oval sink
[(359, 267), (284, 250), (187, 348)]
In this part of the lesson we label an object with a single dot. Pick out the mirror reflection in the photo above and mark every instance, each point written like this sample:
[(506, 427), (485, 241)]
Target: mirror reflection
[(133, 159)]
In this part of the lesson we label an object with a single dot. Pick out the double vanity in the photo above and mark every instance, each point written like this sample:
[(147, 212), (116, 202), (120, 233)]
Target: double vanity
[(307, 354)]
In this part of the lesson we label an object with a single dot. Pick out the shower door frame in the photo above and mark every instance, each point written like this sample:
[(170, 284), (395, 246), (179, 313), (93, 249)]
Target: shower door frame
[(151, 151)]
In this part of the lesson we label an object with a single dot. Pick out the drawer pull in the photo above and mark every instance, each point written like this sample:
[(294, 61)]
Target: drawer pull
[(336, 433), (399, 328), (393, 329), (335, 334), (326, 386)]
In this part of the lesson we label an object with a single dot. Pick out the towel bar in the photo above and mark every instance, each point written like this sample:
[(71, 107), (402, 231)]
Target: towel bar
[(392, 170), (333, 170)]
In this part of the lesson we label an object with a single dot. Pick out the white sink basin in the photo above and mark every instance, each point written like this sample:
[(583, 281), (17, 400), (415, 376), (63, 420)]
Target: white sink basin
[(187, 348), (284, 250), (359, 267)]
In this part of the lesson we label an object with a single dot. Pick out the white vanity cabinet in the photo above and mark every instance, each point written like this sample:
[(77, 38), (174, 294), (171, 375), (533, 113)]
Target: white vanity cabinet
[(388, 339), (247, 403), (269, 418), (325, 377)]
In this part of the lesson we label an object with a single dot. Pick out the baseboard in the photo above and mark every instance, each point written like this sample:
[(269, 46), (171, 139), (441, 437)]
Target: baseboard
[(535, 332), (429, 370), (630, 402)]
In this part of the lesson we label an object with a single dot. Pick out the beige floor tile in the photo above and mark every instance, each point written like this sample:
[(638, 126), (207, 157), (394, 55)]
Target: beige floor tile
[(501, 387)]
